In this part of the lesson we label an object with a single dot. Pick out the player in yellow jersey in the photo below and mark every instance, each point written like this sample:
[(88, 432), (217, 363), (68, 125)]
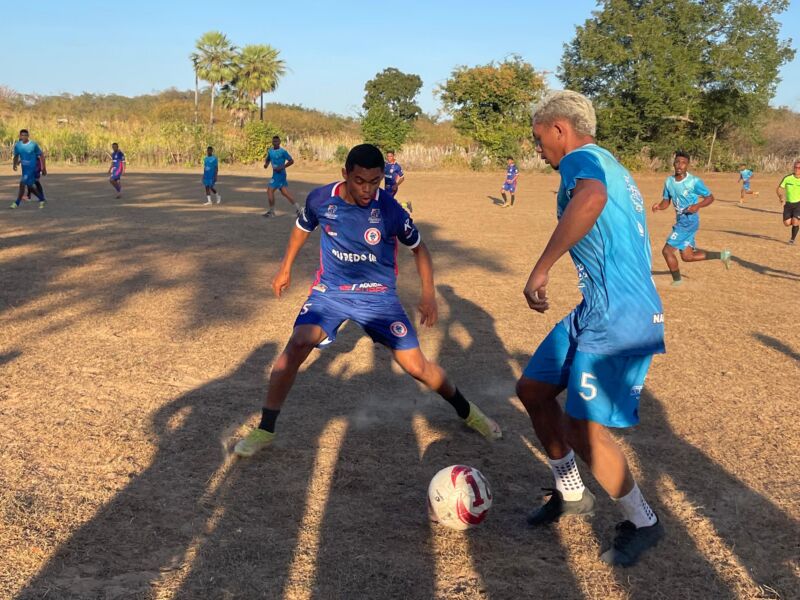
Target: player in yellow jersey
[(789, 195)]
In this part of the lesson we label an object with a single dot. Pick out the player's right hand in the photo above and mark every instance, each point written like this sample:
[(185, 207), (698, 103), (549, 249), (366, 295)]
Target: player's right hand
[(655, 207), (281, 282), (15, 167), (536, 291)]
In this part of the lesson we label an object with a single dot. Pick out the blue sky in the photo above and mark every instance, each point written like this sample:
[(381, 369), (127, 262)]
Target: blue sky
[(331, 48)]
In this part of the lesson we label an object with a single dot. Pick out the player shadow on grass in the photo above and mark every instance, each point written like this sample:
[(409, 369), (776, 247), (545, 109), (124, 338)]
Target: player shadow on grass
[(761, 210), (765, 269), (151, 527), (496, 201), (778, 345), (757, 236)]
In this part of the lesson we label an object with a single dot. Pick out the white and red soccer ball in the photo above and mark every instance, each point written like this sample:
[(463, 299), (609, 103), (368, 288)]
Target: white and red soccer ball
[(459, 497)]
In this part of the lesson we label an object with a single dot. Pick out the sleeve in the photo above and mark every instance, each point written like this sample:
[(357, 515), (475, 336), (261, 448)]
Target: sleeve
[(700, 188), (122, 156), (16, 153), (580, 165), (400, 171), (308, 221), (665, 194), (403, 225), (287, 155), (782, 183)]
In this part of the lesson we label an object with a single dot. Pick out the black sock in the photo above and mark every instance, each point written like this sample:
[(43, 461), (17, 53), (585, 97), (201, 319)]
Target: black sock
[(460, 404), (676, 275), (40, 189), (713, 255), (504, 197), (795, 229), (512, 199), (268, 418)]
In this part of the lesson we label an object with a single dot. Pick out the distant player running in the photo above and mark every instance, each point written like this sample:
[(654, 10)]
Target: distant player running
[(601, 351), (510, 184), (393, 177), (210, 170), (788, 191), (117, 168), (361, 228), (745, 175), (688, 194), (29, 155), (280, 160)]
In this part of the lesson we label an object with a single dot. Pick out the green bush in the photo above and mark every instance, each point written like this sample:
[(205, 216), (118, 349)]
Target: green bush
[(256, 140), (340, 154)]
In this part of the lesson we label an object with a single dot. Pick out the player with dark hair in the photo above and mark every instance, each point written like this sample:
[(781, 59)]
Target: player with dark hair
[(745, 175), (510, 184), (29, 155), (117, 168), (361, 228), (280, 160), (394, 177), (788, 191), (688, 194), (210, 170)]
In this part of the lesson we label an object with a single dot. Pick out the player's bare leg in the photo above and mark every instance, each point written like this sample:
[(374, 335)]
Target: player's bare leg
[(594, 444), (288, 196), (414, 362), (303, 340), (271, 199)]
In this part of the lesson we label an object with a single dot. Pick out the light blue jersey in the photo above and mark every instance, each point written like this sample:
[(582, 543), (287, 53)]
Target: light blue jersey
[(29, 154), (684, 193), (210, 167), (621, 311), (745, 174), (279, 157)]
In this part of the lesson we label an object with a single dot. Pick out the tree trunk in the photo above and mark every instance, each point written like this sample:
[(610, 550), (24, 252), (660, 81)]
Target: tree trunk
[(196, 98), (211, 121), (261, 117), (711, 149)]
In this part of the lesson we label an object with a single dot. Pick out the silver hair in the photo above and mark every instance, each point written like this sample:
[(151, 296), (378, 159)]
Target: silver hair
[(571, 106)]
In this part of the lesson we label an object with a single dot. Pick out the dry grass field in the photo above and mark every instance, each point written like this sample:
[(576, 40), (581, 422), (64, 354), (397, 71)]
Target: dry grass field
[(136, 336)]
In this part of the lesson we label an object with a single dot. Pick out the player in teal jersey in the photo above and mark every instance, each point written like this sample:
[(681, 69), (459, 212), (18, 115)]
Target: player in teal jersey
[(210, 170), (745, 175), (29, 155), (688, 194), (601, 351), (280, 160)]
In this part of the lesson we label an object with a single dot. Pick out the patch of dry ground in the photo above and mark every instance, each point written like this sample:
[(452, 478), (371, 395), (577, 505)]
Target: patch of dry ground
[(136, 336)]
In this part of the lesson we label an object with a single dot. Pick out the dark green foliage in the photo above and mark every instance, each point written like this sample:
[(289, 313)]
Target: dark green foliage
[(390, 105), (257, 139)]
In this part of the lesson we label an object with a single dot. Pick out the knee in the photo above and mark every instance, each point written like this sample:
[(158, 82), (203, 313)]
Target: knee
[(298, 348), (530, 394), (415, 367), (667, 251)]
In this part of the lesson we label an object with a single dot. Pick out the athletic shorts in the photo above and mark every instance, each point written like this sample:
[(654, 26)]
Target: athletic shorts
[(683, 232), (208, 182), (601, 388), (28, 177), (791, 210), (510, 187), (746, 185), (381, 317), (278, 180), (116, 175)]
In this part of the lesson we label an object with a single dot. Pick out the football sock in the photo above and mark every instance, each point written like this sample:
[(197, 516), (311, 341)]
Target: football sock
[(568, 479), (676, 275), (40, 189), (459, 403), (504, 197), (208, 199), (713, 255), (795, 229), (512, 199), (268, 418), (636, 509)]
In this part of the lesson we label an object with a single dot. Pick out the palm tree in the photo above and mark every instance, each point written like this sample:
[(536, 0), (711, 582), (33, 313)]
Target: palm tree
[(259, 71), (237, 102), (215, 55)]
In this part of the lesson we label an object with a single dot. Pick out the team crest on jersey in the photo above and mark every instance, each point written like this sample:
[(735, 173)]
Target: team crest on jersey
[(375, 215), (331, 212), (398, 329), (372, 236)]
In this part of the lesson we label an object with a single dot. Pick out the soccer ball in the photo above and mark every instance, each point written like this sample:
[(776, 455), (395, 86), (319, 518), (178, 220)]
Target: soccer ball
[(459, 497)]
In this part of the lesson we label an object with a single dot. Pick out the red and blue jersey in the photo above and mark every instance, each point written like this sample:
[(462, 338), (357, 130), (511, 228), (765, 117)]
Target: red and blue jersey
[(117, 162), (391, 173), (358, 245)]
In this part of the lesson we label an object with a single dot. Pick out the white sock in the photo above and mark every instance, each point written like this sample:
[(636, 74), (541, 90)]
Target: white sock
[(208, 199), (636, 509), (568, 479), (219, 197)]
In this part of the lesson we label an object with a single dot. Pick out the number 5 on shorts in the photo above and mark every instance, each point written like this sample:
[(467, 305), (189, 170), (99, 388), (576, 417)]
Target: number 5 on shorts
[(586, 384)]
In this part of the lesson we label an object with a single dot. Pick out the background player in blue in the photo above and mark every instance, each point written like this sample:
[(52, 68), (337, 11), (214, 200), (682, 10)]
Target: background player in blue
[(688, 194), (510, 184), (210, 170), (29, 155), (280, 160), (117, 168), (601, 351), (745, 175), (361, 227), (393, 177)]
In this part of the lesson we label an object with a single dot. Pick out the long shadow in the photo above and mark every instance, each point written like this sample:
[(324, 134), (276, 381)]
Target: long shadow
[(761, 210), (496, 201), (757, 236), (149, 526), (9, 356), (765, 269), (778, 345)]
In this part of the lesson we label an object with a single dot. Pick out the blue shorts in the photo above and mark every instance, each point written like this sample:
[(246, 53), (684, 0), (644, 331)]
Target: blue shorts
[(29, 177), (682, 235), (382, 317), (746, 185), (510, 187), (601, 388), (278, 180), (116, 175), (209, 182)]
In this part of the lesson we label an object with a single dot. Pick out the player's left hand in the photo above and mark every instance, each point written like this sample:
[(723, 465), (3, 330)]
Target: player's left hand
[(692, 209), (428, 311), (44, 172), (15, 167), (394, 189), (536, 291)]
